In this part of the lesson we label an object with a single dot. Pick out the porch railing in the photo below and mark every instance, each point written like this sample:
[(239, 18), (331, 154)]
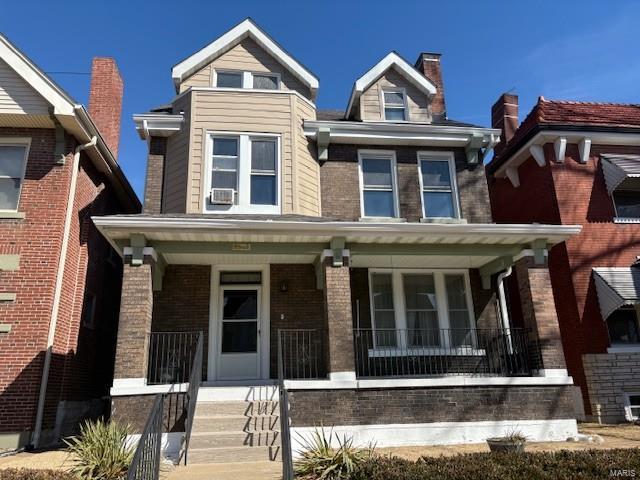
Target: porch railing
[(439, 352), (146, 459), (302, 353), (171, 357)]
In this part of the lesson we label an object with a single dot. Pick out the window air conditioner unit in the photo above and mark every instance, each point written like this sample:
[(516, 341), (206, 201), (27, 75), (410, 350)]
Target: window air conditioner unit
[(222, 196)]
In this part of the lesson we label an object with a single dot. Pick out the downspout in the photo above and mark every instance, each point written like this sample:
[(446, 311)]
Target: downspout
[(504, 311), (35, 439)]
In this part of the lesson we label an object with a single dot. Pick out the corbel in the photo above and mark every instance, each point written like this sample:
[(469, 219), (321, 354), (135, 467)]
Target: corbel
[(539, 246), (512, 175), (59, 151), (323, 139), (584, 148), (537, 152), (560, 147), (472, 149), (337, 247), (138, 242)]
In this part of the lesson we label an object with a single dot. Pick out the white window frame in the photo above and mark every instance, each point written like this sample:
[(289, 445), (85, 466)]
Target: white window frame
[(247, 79), (243, 194), (628, 406), (17, 142), (449, 157), (442, 308), (401, 90), (379, 155)]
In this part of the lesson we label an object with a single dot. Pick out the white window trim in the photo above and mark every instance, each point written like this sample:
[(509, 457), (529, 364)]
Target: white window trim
[(383, 103), (442, 309), (627, 405), (243, 204), (18, 142), (440, 156), (247, 79), (384, 155)]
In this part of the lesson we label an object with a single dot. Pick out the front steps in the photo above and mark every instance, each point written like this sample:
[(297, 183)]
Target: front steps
[(235, 425)]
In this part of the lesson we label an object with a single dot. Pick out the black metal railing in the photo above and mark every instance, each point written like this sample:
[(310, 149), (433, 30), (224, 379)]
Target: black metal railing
[(171, 356), (439, 352), (302, 353), (195, 379), (146, 460), (283, 403)]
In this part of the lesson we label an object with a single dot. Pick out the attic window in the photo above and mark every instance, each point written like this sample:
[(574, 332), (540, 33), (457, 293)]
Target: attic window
[(395, 104), (229, 79), (249, 80)]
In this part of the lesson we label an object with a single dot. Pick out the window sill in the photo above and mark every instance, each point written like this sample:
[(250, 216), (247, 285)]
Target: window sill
[(443, 220), (426, 352), (382, 219), (12, 215), (626, 220), (633, 348)]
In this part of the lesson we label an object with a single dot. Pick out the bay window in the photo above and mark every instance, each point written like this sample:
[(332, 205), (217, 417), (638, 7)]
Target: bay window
[(378, 184), (438, 185), (13, 159)]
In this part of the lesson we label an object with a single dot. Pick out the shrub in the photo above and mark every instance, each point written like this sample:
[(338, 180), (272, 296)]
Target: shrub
[(561, 465), (319, 460), (101, 451), (30, 474)]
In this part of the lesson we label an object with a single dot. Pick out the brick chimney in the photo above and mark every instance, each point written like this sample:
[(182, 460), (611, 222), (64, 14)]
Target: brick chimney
[(105, 100), (504, 115), (429, 65)]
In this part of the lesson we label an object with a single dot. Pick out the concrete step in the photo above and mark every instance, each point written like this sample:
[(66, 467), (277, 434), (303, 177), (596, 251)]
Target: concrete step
[(233, 455), (228, 471), (235, 423), (241, 439), (248, 408)]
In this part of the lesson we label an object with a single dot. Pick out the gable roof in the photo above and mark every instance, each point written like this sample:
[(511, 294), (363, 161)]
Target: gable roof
[(246, 28), (391, 60)]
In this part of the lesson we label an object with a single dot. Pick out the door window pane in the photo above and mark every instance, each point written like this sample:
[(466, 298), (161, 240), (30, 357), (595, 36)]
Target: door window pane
[(239, 337), (623, 326), (229, 79), (458, 310), (266, 82), (240, 305), (383, 312), (421, 310), (263, 190)]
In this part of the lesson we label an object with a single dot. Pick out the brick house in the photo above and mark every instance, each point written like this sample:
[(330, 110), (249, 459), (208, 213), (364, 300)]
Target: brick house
[(351, 253), (577, 163), (59, 279)]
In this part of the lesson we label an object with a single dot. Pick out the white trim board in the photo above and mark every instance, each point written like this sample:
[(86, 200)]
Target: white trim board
[(130, 390), (440, 433)]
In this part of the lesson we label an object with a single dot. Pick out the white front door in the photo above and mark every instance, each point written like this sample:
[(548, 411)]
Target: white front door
[(239, 333)]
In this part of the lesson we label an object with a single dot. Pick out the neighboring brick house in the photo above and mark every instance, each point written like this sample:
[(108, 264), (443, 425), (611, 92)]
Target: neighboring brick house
[(353, 251), (578, 163), (59, 279)]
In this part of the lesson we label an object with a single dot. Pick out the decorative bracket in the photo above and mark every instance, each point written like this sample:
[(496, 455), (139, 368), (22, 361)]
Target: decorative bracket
[(473, 149), (537, 152), (337, 246), (584, 148), (323, 139), (59, 152), (138, 242), (539, 247), (560, 147), (512, 175)]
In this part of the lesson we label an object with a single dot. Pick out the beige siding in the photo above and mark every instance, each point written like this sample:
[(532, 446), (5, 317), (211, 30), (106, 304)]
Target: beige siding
[(174, 199), (246, 56), (307, 170), (370, 100), (17, 96)]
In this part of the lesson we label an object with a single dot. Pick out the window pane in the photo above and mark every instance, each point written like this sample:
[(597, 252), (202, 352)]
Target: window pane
[(623, 326), (456, 291), (634, 400), (240, 304), (237, 278), (382, 291), (394, 98), (263, 155), (239, 337), (225, 163), (378, 204), (224, 180), (9, 190), (394, 113), (263, 189), (11, 161), (435, 174), (419, 292), (627, 203), (423, 329), (438, 204), (225, 146), (376, 172), (229, 80), (458, 310), (267, 82)]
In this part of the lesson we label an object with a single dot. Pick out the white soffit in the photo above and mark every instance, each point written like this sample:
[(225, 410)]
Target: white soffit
[(617, 168), (246, 28), (401, 66), (616, 287)]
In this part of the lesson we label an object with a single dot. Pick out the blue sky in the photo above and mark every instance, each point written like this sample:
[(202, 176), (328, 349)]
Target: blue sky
[(578, 50)]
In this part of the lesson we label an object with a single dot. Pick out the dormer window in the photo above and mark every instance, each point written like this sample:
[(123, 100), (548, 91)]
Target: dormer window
[(229, 79), (394, 102), (249, 80), (265, 81)]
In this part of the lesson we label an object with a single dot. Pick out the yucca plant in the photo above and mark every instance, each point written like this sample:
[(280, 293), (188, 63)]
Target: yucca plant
[(101, 451), (319, 460)]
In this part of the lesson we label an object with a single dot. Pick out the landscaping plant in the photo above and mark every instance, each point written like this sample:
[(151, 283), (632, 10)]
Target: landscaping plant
[(31, 474), (319, 460), (101, 451)]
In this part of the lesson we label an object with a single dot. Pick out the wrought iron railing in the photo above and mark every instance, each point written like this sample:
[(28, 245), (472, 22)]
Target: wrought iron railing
[(195, 379), (171, 356), (146, 460), (302, 353), (439, 352), (285, 432)]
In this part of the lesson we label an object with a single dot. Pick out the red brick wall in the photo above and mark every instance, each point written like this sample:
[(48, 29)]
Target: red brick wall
[(105, 100)]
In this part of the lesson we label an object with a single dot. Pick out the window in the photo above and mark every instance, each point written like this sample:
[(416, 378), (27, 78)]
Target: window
[(247, 165), (421, 310), (632, 406), (437, 180), (242, 79), (395, 106), (383, 312), (378, 180), (627, 203), (265, 81), (623, 326), (229, 79), (13, 157), (458, 310)]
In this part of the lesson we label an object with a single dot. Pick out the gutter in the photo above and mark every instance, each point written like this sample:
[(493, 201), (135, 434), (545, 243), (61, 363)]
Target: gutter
[(35, 441)]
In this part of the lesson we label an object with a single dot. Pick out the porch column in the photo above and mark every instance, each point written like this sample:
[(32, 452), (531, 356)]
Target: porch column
[(337, 300), (540, 316), (136, 305)]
